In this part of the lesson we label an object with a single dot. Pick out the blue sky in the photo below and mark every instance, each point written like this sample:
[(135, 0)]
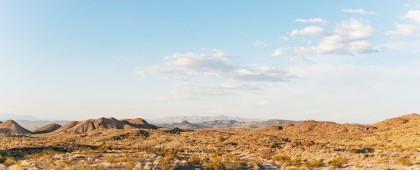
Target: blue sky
[(352, 61)]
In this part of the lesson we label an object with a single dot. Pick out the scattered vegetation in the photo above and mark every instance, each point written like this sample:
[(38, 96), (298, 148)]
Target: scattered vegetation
[(338, 162), (307, 146), (405, 161), (315, 163)]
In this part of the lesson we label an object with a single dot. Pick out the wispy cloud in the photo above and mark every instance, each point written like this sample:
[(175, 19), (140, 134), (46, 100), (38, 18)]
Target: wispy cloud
[(404, 30), (311, 20), (261, 44), (214, 89), (307, 31), (186, 65), (412, 15), (277, 52), (411, 27), (349, 37), (221, 77), (358, 11)]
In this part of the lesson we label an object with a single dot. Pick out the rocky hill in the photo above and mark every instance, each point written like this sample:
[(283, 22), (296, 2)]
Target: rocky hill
[(403, 130), (11, 127), (47, 128), (401, 122), (106, 123), (389, 144)]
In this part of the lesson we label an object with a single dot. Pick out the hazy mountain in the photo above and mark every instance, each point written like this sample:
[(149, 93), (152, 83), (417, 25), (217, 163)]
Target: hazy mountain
[(221, 124), (17, 117), (35, 124), (195, 119), (184, 125)]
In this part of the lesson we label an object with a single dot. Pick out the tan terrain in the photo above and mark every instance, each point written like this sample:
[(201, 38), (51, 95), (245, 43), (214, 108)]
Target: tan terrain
[(109, 143)]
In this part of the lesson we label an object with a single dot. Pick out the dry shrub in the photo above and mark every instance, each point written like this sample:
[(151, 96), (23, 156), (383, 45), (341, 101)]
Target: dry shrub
[(9, 161), (165, 164), (215, 163), (337, 162), (281, 160), (232, 162), (254, 163), (405, 161), (315, 163), (194, 159)]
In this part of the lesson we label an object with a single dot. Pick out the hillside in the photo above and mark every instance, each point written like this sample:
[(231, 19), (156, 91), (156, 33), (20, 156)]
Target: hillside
[(106, 123), (399, 131), (11, 127), (36, 124), (47, 128), (109, 143)]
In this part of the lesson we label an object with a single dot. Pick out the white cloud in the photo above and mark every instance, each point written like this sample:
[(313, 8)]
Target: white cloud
[(358, 11), (260, 74), (407, 29), (186, 89), (277, 52), (307, 31), (404, 30), (348, 38), (413, 15), (311, 20), (285, 38), (190, 65), (261, 44), (349, 77)]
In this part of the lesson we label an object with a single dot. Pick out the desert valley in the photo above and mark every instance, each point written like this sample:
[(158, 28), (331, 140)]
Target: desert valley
[(109, 143), (209, 85)]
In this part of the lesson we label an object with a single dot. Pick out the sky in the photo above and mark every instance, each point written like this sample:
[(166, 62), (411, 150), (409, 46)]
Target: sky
[(344, 61)]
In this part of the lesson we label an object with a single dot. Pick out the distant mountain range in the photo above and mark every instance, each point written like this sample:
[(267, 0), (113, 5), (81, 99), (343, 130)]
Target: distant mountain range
[(17, 117), (196, 119), (30, 122), (35, 124), (402, 123), (222, 124), (182, 122)]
